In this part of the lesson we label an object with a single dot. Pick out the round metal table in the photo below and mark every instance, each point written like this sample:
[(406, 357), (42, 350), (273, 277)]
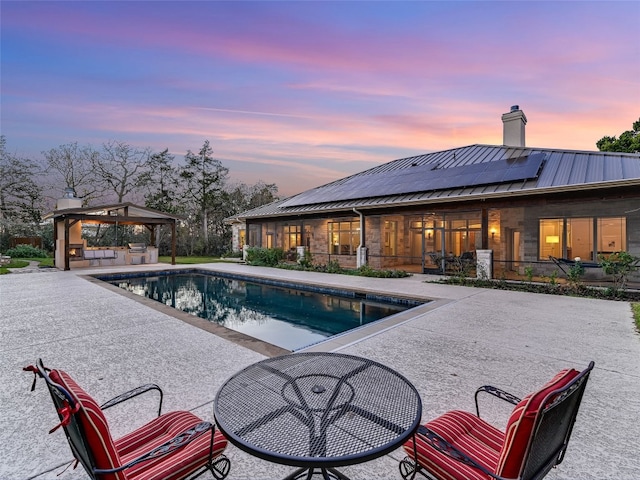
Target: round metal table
[(317, 411)]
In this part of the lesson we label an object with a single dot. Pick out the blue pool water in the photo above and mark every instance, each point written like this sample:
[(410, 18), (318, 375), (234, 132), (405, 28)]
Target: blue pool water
[(274, 312)]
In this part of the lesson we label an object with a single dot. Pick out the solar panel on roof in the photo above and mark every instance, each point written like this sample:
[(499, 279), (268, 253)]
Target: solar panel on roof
[(423, 178)]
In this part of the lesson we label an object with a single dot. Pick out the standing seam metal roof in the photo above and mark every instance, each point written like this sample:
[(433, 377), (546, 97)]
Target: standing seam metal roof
[(560, 170)]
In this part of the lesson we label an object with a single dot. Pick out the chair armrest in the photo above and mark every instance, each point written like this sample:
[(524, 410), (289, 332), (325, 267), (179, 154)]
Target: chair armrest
[(179, 441), (496, 392), (134, 393), (440, 444)]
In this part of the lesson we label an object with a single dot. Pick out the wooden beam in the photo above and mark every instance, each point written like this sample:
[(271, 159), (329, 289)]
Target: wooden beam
[(120, 219), (55, 241), (173, 243), (66, 244)]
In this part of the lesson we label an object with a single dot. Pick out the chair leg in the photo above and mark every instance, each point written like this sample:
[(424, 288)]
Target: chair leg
[(220, 467), (408, 468), (308, 474)]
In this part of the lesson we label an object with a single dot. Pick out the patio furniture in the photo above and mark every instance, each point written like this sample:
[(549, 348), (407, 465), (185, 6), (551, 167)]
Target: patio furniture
[(564, 264), (460, 445), (317, 411), (171, 446)]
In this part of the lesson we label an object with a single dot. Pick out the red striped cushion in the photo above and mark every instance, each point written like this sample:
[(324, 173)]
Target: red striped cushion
[(109, 454), (159, 431), (94, 424), (467, 432), (520, 425)]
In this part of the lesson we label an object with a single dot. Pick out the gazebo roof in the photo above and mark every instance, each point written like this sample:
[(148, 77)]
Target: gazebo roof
[(122, 213)]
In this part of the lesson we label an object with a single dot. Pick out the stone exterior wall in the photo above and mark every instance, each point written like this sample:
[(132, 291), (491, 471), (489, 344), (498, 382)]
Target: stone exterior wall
[(511, 221)]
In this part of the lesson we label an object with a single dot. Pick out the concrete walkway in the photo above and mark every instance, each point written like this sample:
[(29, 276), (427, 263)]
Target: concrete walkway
[(471, 337)]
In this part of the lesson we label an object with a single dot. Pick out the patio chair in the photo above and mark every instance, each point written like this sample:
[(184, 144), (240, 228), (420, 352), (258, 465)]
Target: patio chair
[(173, 446), (461, 446)]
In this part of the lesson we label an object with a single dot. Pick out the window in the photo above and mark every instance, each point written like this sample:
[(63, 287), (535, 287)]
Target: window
[(344, 237), (579, 238), (462, 233), (292, 237), (390, 238), (612, 235), (575, 237), (551, 238), (255, 232)]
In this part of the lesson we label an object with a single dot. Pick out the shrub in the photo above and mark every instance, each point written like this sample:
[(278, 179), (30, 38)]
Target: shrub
[(333, 266), (265, 257), (574, 276), (26, 251), (367, 271), (619, 265), (306, 262), (528, 272)]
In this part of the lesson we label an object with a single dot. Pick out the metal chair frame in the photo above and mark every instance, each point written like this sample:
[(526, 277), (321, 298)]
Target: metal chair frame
[(549, 436), (67, 407)]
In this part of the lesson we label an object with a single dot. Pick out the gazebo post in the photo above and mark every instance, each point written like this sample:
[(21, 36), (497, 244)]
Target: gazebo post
[(173, 242), (152, 230), (66, 244)]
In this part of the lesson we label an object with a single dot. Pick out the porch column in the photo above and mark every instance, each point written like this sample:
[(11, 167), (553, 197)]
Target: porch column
[(484, 229), (484, 264), (361, 252)]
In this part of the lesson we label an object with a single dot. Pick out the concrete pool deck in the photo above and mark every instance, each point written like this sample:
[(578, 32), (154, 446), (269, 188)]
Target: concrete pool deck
[(467, 338)]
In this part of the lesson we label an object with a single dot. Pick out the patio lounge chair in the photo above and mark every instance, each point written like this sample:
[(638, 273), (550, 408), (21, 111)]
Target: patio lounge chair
[(564, 264), (171, 446), (460, 445)]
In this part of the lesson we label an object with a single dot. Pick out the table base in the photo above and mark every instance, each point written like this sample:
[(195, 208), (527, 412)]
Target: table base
[(308, 473)]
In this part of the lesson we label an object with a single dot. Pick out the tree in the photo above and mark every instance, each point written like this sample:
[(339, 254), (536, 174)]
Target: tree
[(245, 197), (204, 178), (162, 190), (74, 167), (121, 168), (628, 142), (161, 183), (262, 193), (20, 195)]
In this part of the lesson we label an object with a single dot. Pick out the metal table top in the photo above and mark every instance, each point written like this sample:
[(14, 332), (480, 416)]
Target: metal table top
[(317, 409)]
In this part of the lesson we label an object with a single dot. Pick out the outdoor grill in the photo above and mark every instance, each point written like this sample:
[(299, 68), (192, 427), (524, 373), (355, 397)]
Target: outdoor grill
[(137, 248)]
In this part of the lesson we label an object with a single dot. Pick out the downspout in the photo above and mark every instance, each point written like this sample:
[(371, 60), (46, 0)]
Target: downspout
[(360, 261)]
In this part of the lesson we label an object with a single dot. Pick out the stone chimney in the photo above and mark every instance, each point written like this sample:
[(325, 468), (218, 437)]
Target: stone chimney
[(69, 200), (514, 123)]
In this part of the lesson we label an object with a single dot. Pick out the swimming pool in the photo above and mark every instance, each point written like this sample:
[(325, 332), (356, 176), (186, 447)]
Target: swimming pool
[(291, 316)]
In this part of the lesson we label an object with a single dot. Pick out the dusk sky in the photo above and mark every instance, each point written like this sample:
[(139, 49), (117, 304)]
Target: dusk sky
[(302, 93)]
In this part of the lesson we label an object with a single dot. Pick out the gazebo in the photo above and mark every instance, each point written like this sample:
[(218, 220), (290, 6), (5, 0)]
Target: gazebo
[(71, 249)]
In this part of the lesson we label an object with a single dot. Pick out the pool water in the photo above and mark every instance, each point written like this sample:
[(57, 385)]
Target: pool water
[(290, 318)]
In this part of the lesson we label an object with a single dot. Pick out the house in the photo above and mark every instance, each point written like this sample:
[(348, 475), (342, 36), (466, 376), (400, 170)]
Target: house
[(509, 207)]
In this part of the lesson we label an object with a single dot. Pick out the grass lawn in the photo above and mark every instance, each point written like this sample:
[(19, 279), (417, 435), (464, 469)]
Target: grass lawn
[(636, 314), (190, 260), (23, 262)]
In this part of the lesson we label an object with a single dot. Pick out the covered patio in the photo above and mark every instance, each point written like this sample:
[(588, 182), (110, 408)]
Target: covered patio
[(72, 250)]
